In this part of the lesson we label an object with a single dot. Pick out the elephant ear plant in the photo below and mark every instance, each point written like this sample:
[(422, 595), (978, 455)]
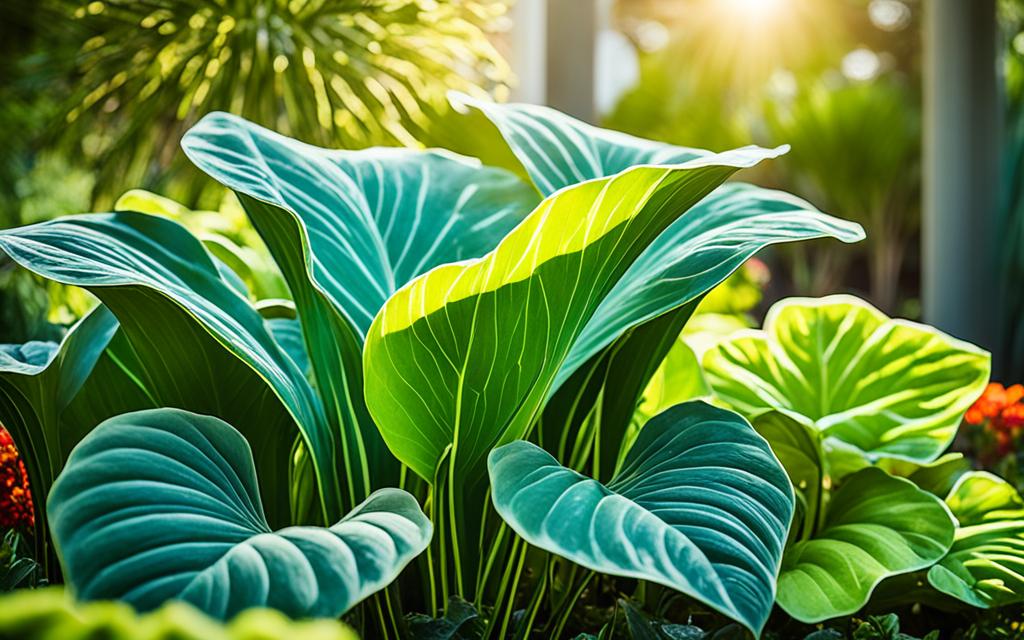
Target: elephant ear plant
[(470, 335), (842, 393)]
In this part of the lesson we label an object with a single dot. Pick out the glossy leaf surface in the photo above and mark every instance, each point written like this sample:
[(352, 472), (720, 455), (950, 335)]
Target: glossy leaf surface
[(876, 526), (162, 505), (985, 567), (700, 505), (467, 353), (889, 388)]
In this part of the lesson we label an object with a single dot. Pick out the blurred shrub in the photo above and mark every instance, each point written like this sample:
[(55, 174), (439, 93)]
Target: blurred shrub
[(50, 614), (1012, 194), (345, 73), (856, 154)]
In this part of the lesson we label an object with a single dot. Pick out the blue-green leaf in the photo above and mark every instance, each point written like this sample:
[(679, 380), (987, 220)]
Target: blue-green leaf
[(194, 341), (347, 229), (700, 505), (162, 505)]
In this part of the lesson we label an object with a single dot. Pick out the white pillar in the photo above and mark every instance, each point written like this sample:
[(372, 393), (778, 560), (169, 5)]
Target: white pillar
[(961, 168), (571, 41), (528, 50)]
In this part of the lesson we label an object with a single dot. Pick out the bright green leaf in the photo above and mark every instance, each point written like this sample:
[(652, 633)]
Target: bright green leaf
[(985, 567), (695, 253), (625, 340), (798, 448), (467, 354), (162, 504), (700, 505), (876, 526), (889, 388)]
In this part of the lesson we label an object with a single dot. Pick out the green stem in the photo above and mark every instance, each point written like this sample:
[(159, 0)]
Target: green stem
[(453, 525), (538, 596), (503, 587), (510, 602), (565, 609), (496, 550)]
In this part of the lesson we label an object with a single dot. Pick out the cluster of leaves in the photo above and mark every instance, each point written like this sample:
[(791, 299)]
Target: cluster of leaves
[(17, 569), (488, 339), (50, 613), (456, 366), (850, 400)]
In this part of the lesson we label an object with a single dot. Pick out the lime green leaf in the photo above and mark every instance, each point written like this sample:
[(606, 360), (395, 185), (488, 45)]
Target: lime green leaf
[(798, 447), (466, 354), (200, 344), (162, 505), (700, 505), (50, 613), (347, 229), (695, 253), (985, 566), (876, 526), (889, 388)]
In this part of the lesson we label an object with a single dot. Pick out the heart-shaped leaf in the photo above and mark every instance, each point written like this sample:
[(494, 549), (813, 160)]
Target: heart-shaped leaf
[(889, 388), (985, 566), (162, 505), (700, 505), (876, 526)]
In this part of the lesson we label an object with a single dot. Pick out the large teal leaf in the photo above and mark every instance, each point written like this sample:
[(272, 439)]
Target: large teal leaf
[(197, 342), (162, 505), (371, 220), (700, 505), (467, 354), (876, 526), (985, 566), (888, 388), (348, 228)]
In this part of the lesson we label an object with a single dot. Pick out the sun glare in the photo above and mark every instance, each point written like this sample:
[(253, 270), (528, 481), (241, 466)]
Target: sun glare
[(748, 40)]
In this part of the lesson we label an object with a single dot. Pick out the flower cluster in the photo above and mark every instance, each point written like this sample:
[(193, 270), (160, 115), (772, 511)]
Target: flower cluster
[(1001, 411), (16, 511)]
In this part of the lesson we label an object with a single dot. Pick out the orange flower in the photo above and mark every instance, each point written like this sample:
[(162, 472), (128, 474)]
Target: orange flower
[(16, 509)]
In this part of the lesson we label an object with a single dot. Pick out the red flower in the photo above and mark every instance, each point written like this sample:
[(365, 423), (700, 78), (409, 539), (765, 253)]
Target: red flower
[(16, 510)]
